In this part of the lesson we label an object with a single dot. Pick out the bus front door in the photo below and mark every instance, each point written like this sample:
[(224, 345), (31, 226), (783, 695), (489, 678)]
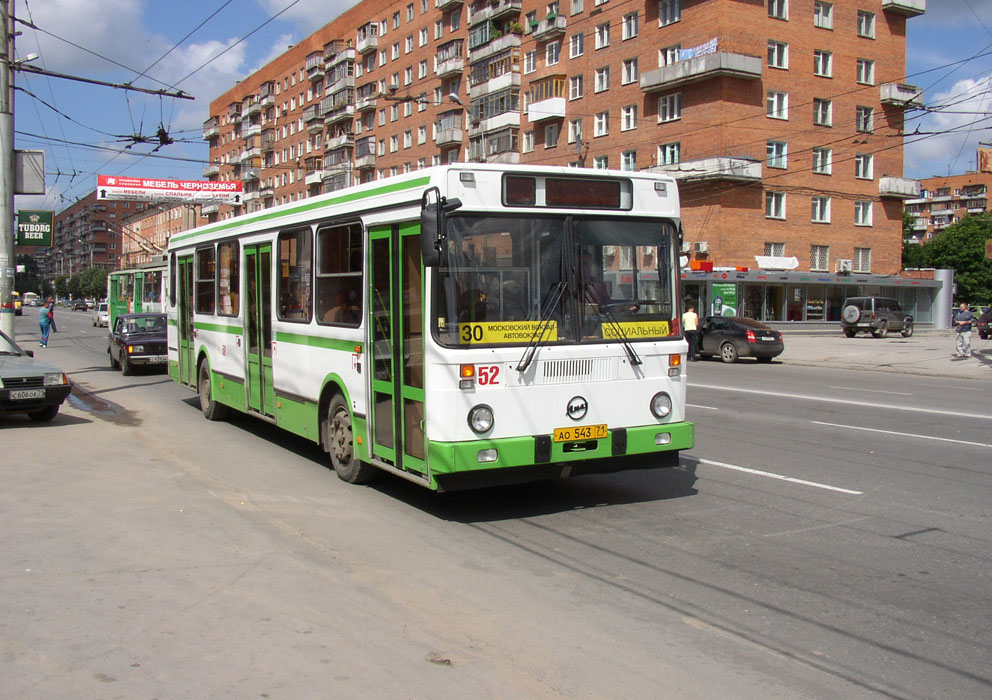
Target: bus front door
[(396, 324), (187, 346), (258, 329)]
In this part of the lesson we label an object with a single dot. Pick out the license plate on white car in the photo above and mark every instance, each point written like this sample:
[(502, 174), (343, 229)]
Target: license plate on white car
[(21, 394)]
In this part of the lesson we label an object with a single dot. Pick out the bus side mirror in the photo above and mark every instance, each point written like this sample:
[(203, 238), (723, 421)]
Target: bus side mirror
[(430, 227)]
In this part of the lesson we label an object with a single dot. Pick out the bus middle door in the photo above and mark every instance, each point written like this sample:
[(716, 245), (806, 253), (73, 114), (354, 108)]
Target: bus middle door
[(187, 346), (258, 329)]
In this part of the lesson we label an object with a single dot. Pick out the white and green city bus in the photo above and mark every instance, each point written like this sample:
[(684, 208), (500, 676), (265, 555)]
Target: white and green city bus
[(136, 290), (458, 326)]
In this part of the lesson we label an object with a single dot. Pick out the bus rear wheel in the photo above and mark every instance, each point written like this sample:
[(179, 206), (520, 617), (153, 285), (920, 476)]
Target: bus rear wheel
[(340, 444), (212, 409)]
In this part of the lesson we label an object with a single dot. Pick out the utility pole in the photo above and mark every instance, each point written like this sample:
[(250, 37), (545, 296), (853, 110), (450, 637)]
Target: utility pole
[(7, 261)]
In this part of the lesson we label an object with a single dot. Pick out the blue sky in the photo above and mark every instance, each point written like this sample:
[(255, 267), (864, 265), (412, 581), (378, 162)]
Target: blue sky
[(84, 129)]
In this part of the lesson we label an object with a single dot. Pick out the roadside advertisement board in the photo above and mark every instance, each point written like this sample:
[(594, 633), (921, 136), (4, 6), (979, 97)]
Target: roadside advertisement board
[(724, 300), (148, 189), (34, 227)]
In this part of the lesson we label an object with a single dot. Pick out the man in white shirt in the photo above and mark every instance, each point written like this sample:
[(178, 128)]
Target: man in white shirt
[(690, 326)]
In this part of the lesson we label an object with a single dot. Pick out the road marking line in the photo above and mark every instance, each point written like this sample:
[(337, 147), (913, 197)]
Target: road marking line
[(893, 432), (873, 391), (824, 399), (708, 408), (781, 477)]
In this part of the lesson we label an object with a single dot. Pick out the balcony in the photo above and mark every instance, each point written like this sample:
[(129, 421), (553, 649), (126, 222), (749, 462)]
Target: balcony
[(341, 56), (338, 82), (268, 140), (251, 130), (898, 187), (715, 65), (366, 104), (313, 119), (267, 97), (365, 162), (445, 5), (507, 41), (367, 43), (339, 114), (249, 153), (907, 96), (250, 175), (315, 66), (211, 170), (551, 108), (493, 10), (332, 49), (550, 28), (910, 8), (208, 209), (941, 212), (211, 128), (449, 67), (254, 107), (314, 177), (500, 82), (342, 141), (495, 123), (251, 196), (449, 137), (726, 168)]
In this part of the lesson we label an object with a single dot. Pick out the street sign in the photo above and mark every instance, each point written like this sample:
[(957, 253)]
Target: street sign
[(145, 189), (34, 227)]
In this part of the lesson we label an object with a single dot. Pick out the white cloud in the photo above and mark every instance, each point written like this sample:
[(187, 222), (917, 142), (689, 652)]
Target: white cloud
[(307, 15)]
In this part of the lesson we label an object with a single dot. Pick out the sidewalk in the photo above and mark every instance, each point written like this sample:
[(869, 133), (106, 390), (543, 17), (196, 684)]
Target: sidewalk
[(927, 352)]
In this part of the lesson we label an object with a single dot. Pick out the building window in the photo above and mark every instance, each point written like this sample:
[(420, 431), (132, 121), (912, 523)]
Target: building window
[(866, 71), (409, 12), (628, 160), (819, 255), (822, 161), (408, 44), (864, 119), (670, 107), (862, 260), (628, 117), (776, 153), (421, 135), (574, 130), (668, 55), (575, 87), (552, 52), (823, 112), (778, 105), (407, 139), (669, 153), (774, 207), (778, 54), (528, 141), (669, 12), (530, 61), (823, 63), (551, 135), (422, 69), (422, 37), (629, 27), (821, 210), (823, 15), (866, 24), (629, 71), (864, 166), (775, 250), (603, 35), (862, 213), (577, 6), (601, 125), (778, 9), (602, 79), (601, 162), (576, 45)]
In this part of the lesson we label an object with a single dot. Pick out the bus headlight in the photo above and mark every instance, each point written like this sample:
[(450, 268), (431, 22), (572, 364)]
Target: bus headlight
[(661, 405), (480, 418)]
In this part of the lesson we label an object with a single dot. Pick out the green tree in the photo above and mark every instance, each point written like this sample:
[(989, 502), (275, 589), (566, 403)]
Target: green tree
[(75, 286), (61, 286), (30, 279), (961, 247), (94, 283), (914, 255)]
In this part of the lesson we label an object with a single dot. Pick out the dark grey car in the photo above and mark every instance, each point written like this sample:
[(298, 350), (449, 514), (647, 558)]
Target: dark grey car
[(28, 385), (875, 315)]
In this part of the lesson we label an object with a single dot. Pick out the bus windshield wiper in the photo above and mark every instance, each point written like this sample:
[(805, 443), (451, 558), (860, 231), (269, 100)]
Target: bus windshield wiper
[(604, 311), (543, 324)]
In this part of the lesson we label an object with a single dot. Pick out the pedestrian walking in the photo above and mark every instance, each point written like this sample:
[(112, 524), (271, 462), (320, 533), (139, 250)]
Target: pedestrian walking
[(690, 326), (45, 316), (964, 321)]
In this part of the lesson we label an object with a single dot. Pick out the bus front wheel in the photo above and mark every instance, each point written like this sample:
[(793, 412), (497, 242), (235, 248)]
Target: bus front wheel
[(212, 409), (340, 445)]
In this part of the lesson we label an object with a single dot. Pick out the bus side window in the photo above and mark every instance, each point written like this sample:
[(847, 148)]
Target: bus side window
[(295, 265), (339, 275)]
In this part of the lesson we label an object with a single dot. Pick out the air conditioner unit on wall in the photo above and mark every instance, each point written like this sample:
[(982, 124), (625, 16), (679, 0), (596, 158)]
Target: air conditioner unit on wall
[(701, 247), (843, 266)]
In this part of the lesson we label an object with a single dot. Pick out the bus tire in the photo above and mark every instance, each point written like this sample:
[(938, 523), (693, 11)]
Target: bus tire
[(212, 410), (339, 443)]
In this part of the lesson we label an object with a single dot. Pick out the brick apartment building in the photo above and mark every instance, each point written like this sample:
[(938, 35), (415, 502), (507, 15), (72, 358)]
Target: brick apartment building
[(776, 116), (946, 200)]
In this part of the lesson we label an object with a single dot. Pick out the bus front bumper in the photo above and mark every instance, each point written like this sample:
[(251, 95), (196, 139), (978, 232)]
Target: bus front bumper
[(478, 463)]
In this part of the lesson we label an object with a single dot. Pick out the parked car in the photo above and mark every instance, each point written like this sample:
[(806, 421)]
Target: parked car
[(101, 315), (875, 315), (79, 305), (983, 323), (731, 337), (138, 340), (28, 385)]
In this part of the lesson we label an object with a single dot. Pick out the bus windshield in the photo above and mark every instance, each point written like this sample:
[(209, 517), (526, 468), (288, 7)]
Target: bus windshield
[(590, 279)]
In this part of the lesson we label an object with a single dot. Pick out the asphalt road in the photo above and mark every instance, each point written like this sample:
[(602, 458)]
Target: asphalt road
[(828, 537)]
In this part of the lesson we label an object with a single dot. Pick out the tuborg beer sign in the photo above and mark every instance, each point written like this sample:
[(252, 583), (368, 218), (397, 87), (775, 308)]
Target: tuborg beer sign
[(34, 227)]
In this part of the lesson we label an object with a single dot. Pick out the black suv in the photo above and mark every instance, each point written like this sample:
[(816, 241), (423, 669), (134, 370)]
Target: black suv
[(877, 315)]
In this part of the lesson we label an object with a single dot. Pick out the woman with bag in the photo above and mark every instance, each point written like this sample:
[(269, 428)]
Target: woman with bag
[(46, 316)]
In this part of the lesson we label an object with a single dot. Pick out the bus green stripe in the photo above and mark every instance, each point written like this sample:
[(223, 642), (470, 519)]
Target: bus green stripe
[(314, 341), (273, 214), (219, 328)]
